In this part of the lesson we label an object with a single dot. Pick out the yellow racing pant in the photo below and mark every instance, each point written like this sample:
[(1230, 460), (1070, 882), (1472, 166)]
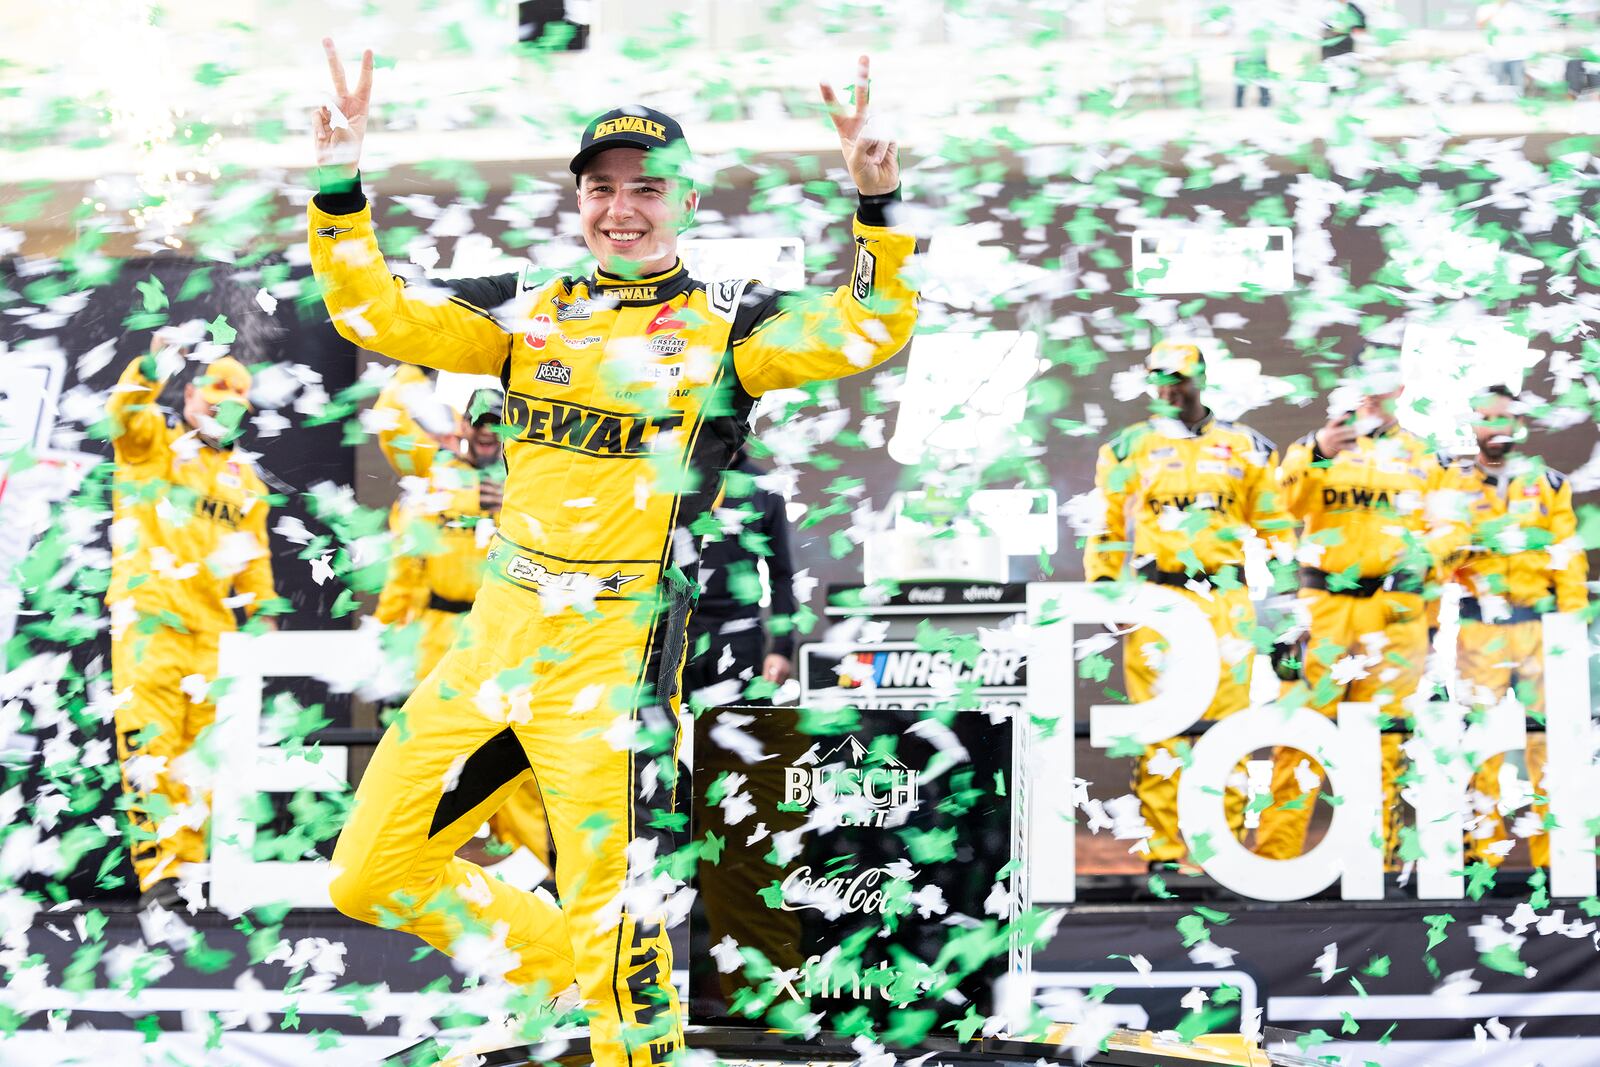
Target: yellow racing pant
[(1231, 616), (1388, 632), (157, 725), (584, 704), (520, 822), (1491, 658)]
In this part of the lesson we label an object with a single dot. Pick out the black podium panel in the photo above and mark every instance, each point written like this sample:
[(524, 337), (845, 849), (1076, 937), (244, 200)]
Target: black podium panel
[(854, 867)]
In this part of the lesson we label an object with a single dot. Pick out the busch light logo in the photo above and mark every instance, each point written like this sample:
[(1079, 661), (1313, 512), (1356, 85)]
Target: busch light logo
[(845, 793)]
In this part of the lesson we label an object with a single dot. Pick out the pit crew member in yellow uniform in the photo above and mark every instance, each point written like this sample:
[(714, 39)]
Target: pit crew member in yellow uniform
[(627, 394), (1183, 492), (442, 526), (1379, 508), (189, 547), (1524, 560)]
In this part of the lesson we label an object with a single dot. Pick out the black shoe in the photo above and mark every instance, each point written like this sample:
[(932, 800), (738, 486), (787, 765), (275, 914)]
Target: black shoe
[(163, 894)]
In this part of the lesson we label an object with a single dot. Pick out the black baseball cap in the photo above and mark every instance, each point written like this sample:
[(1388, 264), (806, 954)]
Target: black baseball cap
[(633, 126), (485, 405)]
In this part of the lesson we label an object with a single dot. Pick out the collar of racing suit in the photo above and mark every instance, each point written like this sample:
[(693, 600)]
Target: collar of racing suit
[(1177, 428), (630, 292)]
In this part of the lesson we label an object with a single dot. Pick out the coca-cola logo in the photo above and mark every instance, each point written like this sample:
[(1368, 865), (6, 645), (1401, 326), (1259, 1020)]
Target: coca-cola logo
[(847, 893)]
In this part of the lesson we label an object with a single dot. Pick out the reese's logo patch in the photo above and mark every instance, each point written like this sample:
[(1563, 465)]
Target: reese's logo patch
[(553, 371)]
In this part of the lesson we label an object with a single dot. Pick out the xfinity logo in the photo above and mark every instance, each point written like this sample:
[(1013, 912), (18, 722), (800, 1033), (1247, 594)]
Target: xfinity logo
[(880, 795), (982, 592), (843, 980)]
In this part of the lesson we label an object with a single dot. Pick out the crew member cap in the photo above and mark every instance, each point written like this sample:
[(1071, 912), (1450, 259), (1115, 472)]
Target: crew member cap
[(485, 404), (225, 379), (1181, 358)]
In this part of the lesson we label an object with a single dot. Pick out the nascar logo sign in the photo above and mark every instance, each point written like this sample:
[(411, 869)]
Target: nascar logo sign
[(898, 674)]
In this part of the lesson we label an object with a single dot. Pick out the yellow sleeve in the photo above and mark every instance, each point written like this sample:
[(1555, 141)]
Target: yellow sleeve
[(796, 338), (1572, 590), (405, 593), (373, 309), (1105, 552), (1269, 513), (256, 577), (1299, 478), (404, 443), (1448, 523), (136, 422)]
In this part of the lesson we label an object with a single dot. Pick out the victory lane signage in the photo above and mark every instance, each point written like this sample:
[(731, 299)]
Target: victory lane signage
[(852, 872)]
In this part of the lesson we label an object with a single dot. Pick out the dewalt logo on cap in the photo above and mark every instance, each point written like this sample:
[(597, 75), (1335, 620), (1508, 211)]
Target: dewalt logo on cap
[(630, 124), (635, 126)]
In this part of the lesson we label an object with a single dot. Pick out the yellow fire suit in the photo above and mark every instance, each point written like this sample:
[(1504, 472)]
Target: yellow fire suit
[(442, 538), (189, 544), (1524, 560), (408, 448), (1184, 501), (625, 399), (1375, 519)]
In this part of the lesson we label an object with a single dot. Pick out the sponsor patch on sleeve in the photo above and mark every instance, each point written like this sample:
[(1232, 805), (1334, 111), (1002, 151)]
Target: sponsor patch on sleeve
[(866, 270), (723, 297)]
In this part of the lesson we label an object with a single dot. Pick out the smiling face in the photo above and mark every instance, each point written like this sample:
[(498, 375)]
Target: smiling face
[(631, 218), (480, 442), (1497, 428), (215, 424), (1377, 409)]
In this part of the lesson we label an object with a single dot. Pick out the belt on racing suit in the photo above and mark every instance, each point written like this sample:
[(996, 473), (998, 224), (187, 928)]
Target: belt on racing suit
[(454, 607), (1393, 582), (1177, 578), (1472, 611)]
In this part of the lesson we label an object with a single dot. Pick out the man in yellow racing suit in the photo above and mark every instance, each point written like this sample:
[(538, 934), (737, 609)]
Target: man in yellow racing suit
[(1524, 560), (1183, 492), (627, 393), (442, 525), (1379, 509), (188, 547)]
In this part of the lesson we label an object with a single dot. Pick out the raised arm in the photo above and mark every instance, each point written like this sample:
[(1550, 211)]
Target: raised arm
[(785, 340), (136, 422), (448, 328)]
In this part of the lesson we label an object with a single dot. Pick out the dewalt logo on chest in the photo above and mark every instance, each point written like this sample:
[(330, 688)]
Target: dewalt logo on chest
[(590, 431)]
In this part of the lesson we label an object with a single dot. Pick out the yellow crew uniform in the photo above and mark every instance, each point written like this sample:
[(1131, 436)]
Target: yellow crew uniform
[(1375, 520), (1524, 560), (625, 400), (1184, 501), (189, 545), (442, 536)]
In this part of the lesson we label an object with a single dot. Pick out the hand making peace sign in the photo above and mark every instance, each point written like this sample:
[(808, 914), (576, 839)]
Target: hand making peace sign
[(874, 164), (338, 135)]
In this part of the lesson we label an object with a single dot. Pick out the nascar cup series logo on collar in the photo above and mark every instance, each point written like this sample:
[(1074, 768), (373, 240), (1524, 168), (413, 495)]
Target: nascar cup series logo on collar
[(580, 308), (884, 793)]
